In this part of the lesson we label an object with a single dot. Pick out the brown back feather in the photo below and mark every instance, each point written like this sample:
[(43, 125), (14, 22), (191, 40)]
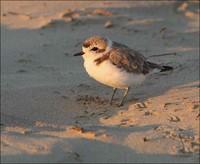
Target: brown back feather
[(128, 59)]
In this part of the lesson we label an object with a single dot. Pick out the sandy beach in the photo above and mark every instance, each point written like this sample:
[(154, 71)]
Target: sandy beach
[(53, 112)]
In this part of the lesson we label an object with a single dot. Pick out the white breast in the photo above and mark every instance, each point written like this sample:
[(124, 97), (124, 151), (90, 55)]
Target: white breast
[(109, 74)]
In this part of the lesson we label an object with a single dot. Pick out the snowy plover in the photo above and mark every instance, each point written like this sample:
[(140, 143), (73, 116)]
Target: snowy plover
[(115, 64)]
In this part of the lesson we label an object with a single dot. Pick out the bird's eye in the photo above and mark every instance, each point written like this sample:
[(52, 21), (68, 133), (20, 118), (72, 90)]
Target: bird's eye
[(94, 48)]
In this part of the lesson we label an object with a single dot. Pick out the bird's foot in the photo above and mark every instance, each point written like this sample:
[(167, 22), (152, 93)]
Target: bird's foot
[(110, 102), (121, 104)]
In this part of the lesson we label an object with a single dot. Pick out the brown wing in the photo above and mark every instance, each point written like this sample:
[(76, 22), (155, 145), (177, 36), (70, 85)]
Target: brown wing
[(128, 59)]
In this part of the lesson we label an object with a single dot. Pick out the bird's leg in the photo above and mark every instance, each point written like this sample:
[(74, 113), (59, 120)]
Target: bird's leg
[(114, 90), (126, 92)]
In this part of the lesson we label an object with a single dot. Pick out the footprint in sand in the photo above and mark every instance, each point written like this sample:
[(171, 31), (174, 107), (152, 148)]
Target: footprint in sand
[(127, 123), (23, 62), (87, 100), (173, 118), (20, 15)]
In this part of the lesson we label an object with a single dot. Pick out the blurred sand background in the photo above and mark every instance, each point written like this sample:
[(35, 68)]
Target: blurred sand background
[(52, 111)]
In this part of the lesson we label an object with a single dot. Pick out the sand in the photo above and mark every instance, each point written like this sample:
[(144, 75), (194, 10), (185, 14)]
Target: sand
[(52, 111)]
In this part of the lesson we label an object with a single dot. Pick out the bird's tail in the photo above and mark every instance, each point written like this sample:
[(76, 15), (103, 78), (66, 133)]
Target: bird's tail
[(159, 68), (166, 68)]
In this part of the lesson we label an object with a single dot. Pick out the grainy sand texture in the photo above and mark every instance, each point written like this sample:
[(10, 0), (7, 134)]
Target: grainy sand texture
[(53, 112)]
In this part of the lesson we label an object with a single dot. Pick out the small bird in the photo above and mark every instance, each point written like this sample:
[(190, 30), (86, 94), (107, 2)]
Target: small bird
[(115, 64)]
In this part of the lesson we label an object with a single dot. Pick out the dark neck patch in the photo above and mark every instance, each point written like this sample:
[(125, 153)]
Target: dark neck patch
[(102, 59)]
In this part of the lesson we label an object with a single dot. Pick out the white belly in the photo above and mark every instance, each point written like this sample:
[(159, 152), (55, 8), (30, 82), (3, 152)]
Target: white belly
[(110, 75)]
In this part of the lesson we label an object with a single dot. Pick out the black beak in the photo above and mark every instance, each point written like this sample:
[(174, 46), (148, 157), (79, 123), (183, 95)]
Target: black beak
[(79, 53)]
